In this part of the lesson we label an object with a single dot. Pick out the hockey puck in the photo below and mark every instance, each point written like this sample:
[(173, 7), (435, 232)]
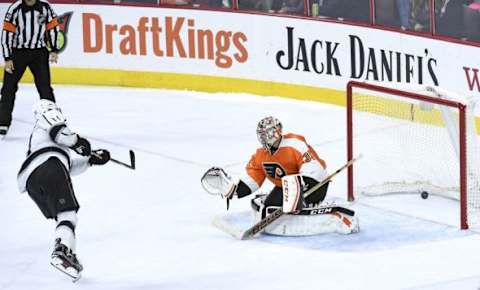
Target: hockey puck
[(424, 194)]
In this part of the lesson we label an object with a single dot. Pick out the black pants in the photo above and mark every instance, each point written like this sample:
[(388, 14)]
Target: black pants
[(37, 61), (51, 189), (275, 197)]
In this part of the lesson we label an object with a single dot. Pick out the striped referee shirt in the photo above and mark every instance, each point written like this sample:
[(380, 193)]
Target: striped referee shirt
[(29, 27)]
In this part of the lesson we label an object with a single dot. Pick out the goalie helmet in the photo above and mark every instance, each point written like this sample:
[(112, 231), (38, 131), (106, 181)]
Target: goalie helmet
[(269, 132), (47, 113)]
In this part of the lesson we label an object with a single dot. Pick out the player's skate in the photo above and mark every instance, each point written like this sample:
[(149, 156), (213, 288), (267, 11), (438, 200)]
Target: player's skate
[(64, 260), (3, 131)]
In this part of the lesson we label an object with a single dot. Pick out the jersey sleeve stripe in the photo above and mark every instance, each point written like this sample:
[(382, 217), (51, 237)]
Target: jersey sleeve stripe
[(52, 24), (313, 169), (297, 144), (10, 27)]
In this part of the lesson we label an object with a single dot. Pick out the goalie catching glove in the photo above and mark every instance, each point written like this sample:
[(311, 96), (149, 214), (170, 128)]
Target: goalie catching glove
[(217, 182)]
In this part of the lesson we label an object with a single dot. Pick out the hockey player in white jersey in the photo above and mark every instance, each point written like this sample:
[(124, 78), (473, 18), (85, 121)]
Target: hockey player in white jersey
[(45, 175)]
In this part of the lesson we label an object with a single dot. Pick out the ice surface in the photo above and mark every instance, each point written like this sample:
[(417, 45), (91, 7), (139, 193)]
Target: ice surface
[(150, 228)]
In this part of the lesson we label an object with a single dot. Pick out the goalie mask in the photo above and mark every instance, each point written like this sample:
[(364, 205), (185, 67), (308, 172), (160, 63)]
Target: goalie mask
[(47, 113), (269, 133)]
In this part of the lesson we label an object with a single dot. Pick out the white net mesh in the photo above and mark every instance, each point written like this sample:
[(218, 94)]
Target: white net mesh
[(413, 146)]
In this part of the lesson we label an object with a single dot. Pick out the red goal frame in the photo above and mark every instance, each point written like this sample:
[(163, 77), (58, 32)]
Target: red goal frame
[(416, 96)]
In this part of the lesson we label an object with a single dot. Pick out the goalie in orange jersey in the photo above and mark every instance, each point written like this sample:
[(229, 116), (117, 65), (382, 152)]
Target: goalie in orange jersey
[(291, 165)]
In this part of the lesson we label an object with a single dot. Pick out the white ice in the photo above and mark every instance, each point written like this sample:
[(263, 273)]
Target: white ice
[(150, 228)]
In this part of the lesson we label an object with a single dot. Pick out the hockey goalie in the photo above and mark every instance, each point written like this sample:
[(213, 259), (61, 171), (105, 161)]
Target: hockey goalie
[(293, 167)]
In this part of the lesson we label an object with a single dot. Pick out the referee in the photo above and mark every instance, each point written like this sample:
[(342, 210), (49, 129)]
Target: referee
[(28, 28)]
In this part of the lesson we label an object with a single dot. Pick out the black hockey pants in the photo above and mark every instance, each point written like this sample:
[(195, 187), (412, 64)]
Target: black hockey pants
[(37, 61), (49, 185)]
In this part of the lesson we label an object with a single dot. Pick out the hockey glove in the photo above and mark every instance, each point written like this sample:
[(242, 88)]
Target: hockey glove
[(82, 146), (217, 182), (99, 157)]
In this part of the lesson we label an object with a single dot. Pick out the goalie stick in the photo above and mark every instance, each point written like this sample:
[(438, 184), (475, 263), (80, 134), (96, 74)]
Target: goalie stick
[(132, 161), (262, 224)]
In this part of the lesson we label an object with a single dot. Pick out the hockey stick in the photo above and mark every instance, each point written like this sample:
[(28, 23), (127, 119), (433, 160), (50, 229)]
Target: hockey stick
[(261, 225), (132, 161)]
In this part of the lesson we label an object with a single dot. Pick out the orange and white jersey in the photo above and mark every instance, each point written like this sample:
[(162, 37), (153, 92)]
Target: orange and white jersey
[(293, 156)]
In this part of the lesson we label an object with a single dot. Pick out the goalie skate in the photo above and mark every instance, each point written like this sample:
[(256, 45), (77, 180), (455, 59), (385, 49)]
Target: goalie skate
[(65, 261)]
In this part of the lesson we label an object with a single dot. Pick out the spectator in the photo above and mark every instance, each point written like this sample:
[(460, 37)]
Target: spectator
[(260, 5), (355, 10), (171, 2), (359, 10), (439, 7), (450, 22), (264, 5), (211, 3), (292, 7), (421, 15), (403, 9), (471, 22), (333, 8), (246, 4), (138, 1), (475, 5), (394, 13)]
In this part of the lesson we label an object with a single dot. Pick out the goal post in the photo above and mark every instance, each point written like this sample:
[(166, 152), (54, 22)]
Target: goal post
[(417, 141)]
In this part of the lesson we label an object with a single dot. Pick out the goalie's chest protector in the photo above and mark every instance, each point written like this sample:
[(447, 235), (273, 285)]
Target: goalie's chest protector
[(283, 162)]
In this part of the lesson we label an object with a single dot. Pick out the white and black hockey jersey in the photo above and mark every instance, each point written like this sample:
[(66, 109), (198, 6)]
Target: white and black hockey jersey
[(50, 138)]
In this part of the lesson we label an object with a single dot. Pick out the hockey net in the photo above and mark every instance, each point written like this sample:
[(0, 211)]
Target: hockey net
[(414, 141)]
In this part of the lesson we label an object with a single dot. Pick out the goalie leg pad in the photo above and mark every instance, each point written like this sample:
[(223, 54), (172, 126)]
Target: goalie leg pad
[(292, 193), (312, 221), (345, 224)]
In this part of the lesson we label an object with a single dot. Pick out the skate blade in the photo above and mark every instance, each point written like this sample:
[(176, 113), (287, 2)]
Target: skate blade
[(70, 272)]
